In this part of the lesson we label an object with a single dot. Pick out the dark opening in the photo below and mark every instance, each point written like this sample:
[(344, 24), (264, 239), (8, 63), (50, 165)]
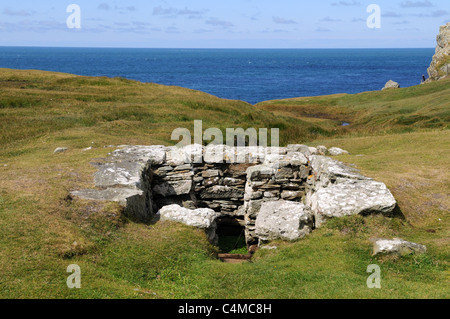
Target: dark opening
[(231, 232)]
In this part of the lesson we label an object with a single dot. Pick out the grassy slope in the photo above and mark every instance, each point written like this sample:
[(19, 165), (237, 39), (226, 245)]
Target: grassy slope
[(391, 111), (42, 233)]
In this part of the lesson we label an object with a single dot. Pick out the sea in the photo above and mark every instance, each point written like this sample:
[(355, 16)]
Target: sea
[(251, 75)]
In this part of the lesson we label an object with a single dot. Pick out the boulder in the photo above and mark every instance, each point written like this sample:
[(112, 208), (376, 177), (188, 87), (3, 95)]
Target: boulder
[(283, 220), (137, 206), (203, 218), (336, 151), (396, 246), (391, 85), (328, 170), (351, 198), (299, 148), (314, 151), (322, 150)]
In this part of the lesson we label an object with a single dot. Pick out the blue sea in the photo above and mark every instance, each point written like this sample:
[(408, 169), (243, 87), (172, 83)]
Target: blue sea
[(251, 75)]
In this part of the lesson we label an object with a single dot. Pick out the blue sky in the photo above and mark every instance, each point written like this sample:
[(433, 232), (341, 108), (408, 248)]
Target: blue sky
[(223, 24)]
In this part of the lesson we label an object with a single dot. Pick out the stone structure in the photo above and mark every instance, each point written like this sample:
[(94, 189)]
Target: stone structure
[(270, 192)]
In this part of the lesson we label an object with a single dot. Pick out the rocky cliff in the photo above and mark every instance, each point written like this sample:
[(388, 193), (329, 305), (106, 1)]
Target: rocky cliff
[(440, 65)]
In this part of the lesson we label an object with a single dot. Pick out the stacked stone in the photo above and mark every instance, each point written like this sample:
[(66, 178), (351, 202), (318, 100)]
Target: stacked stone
[(262, 189), (220, 187), (172, 180), (280, 178)]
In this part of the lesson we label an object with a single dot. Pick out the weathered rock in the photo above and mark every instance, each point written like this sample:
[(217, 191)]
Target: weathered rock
[(299, 148), (60, 150), (133, 199), (283, 220), (391, 85), (292, 195), (336, 151), (328, 170), (440, 64), (122, 173), (146, 178), (203, 218), (323, 150), (176, 156), (154, 155), (259, 172), (221, 192), (397, 247), (173, 188), (351, 198), (314, 151), (296, 159)]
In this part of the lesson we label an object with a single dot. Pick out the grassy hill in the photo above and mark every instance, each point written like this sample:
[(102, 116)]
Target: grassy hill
[(391, 111), (399, 137)]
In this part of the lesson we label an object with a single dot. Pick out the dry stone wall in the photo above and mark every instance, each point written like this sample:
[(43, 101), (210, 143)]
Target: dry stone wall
[(273, 192)]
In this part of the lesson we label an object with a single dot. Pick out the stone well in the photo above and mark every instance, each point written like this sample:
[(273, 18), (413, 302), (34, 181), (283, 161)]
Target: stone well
[(237, 187)]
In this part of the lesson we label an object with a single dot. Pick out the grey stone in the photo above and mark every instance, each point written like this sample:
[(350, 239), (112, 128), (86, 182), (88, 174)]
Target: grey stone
[(391, 85), (440, 65), (299, 148), (291, 195), (314, 151), (328, 170), (351, 198), (60, 150), (259, 172), (121, 173), (296, 159), (322, 150), (210, 173), (183, 167), (134, 200), (397, 247), (221, 192), (336, 151), (283, 220), (173, 188), (203, 218)]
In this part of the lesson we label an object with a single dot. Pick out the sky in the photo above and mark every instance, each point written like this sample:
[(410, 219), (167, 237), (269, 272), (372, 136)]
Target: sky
[(223, 24)]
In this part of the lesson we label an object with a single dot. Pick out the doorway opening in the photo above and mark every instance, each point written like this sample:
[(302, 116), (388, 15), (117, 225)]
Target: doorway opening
[(231, 232)]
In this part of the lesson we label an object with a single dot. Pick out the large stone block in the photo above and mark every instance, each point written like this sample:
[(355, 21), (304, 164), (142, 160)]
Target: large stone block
[(283, 220), (203, 218), (351, 198)]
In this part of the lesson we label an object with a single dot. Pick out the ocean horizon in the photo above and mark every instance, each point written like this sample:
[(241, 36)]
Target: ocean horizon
[(251, 75)]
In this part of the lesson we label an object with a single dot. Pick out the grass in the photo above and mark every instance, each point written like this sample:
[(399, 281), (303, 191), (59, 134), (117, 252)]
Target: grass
[(399, 137)]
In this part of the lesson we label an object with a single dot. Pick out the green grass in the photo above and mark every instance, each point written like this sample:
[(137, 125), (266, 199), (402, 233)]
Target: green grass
[(399, 137)]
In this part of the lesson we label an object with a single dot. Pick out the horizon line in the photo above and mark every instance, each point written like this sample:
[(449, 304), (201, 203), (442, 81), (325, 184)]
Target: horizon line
[(210, 48)]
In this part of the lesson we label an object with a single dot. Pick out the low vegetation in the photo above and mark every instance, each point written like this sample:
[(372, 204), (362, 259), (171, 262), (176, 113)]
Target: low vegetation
[(399, 137)]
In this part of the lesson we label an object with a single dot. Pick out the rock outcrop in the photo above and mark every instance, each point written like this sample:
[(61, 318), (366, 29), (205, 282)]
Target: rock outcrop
[(282, 192), (440, 65)]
